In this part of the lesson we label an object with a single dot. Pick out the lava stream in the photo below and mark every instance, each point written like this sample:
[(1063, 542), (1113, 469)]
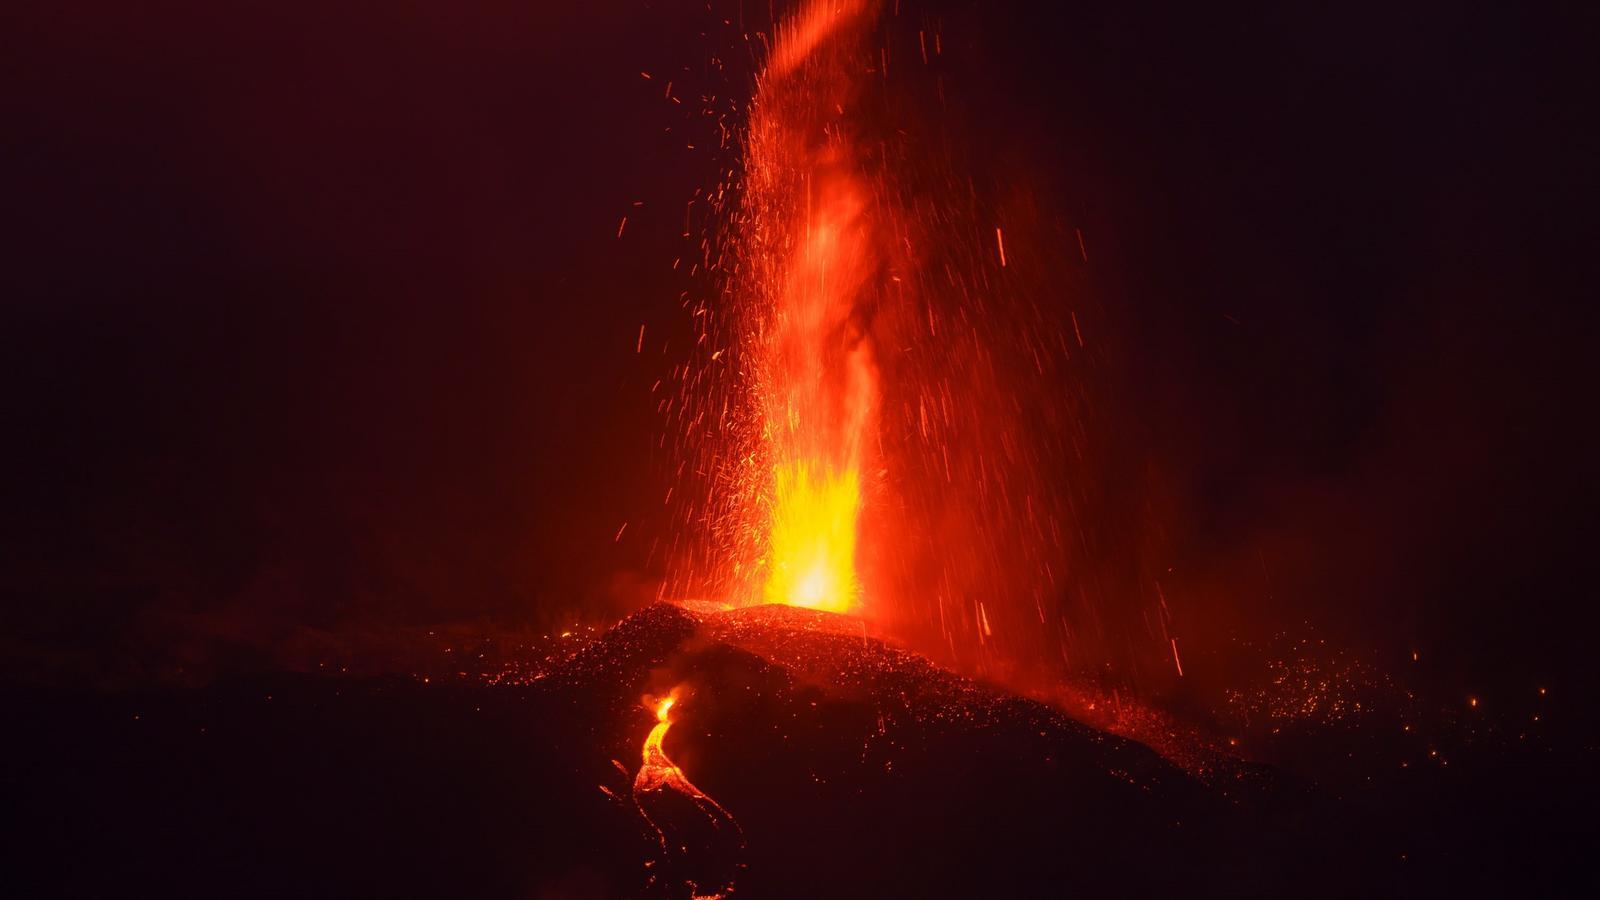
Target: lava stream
[(696, 857)]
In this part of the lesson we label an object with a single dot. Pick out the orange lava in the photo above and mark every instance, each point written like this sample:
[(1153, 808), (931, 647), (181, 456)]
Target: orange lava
[(658, 772), (809, 261), (659, 778), (875, 416)]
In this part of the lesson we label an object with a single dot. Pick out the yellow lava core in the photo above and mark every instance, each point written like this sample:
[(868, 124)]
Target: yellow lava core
[(813, 549)]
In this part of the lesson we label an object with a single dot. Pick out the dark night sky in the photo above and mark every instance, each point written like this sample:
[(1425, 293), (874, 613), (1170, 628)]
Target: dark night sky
[(315, 314)]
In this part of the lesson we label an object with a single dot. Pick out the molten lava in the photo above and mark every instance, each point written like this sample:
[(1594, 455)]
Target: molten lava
[(809, 265), (700, 841), (877, 416), (814, 538), (658, 772)]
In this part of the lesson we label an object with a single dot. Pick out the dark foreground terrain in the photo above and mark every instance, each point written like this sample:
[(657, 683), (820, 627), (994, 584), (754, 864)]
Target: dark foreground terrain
[(852, 770)]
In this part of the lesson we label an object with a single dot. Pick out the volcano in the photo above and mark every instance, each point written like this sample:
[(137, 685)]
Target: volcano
[(855, 768), (767, 752)]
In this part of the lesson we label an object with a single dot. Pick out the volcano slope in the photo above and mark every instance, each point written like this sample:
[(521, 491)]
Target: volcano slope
[(834, 765), (857, 769)]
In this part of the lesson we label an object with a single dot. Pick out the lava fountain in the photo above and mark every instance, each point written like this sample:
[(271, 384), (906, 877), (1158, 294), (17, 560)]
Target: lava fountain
[(879, 414), (806, 267)]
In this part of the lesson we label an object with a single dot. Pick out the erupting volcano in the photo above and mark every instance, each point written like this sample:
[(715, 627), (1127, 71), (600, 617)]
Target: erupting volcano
[(1003, 450), (852, 281)]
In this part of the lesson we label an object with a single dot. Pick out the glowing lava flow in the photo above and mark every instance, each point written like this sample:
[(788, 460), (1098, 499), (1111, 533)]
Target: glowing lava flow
[(659, 773), (808, 262), (703, 851)]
